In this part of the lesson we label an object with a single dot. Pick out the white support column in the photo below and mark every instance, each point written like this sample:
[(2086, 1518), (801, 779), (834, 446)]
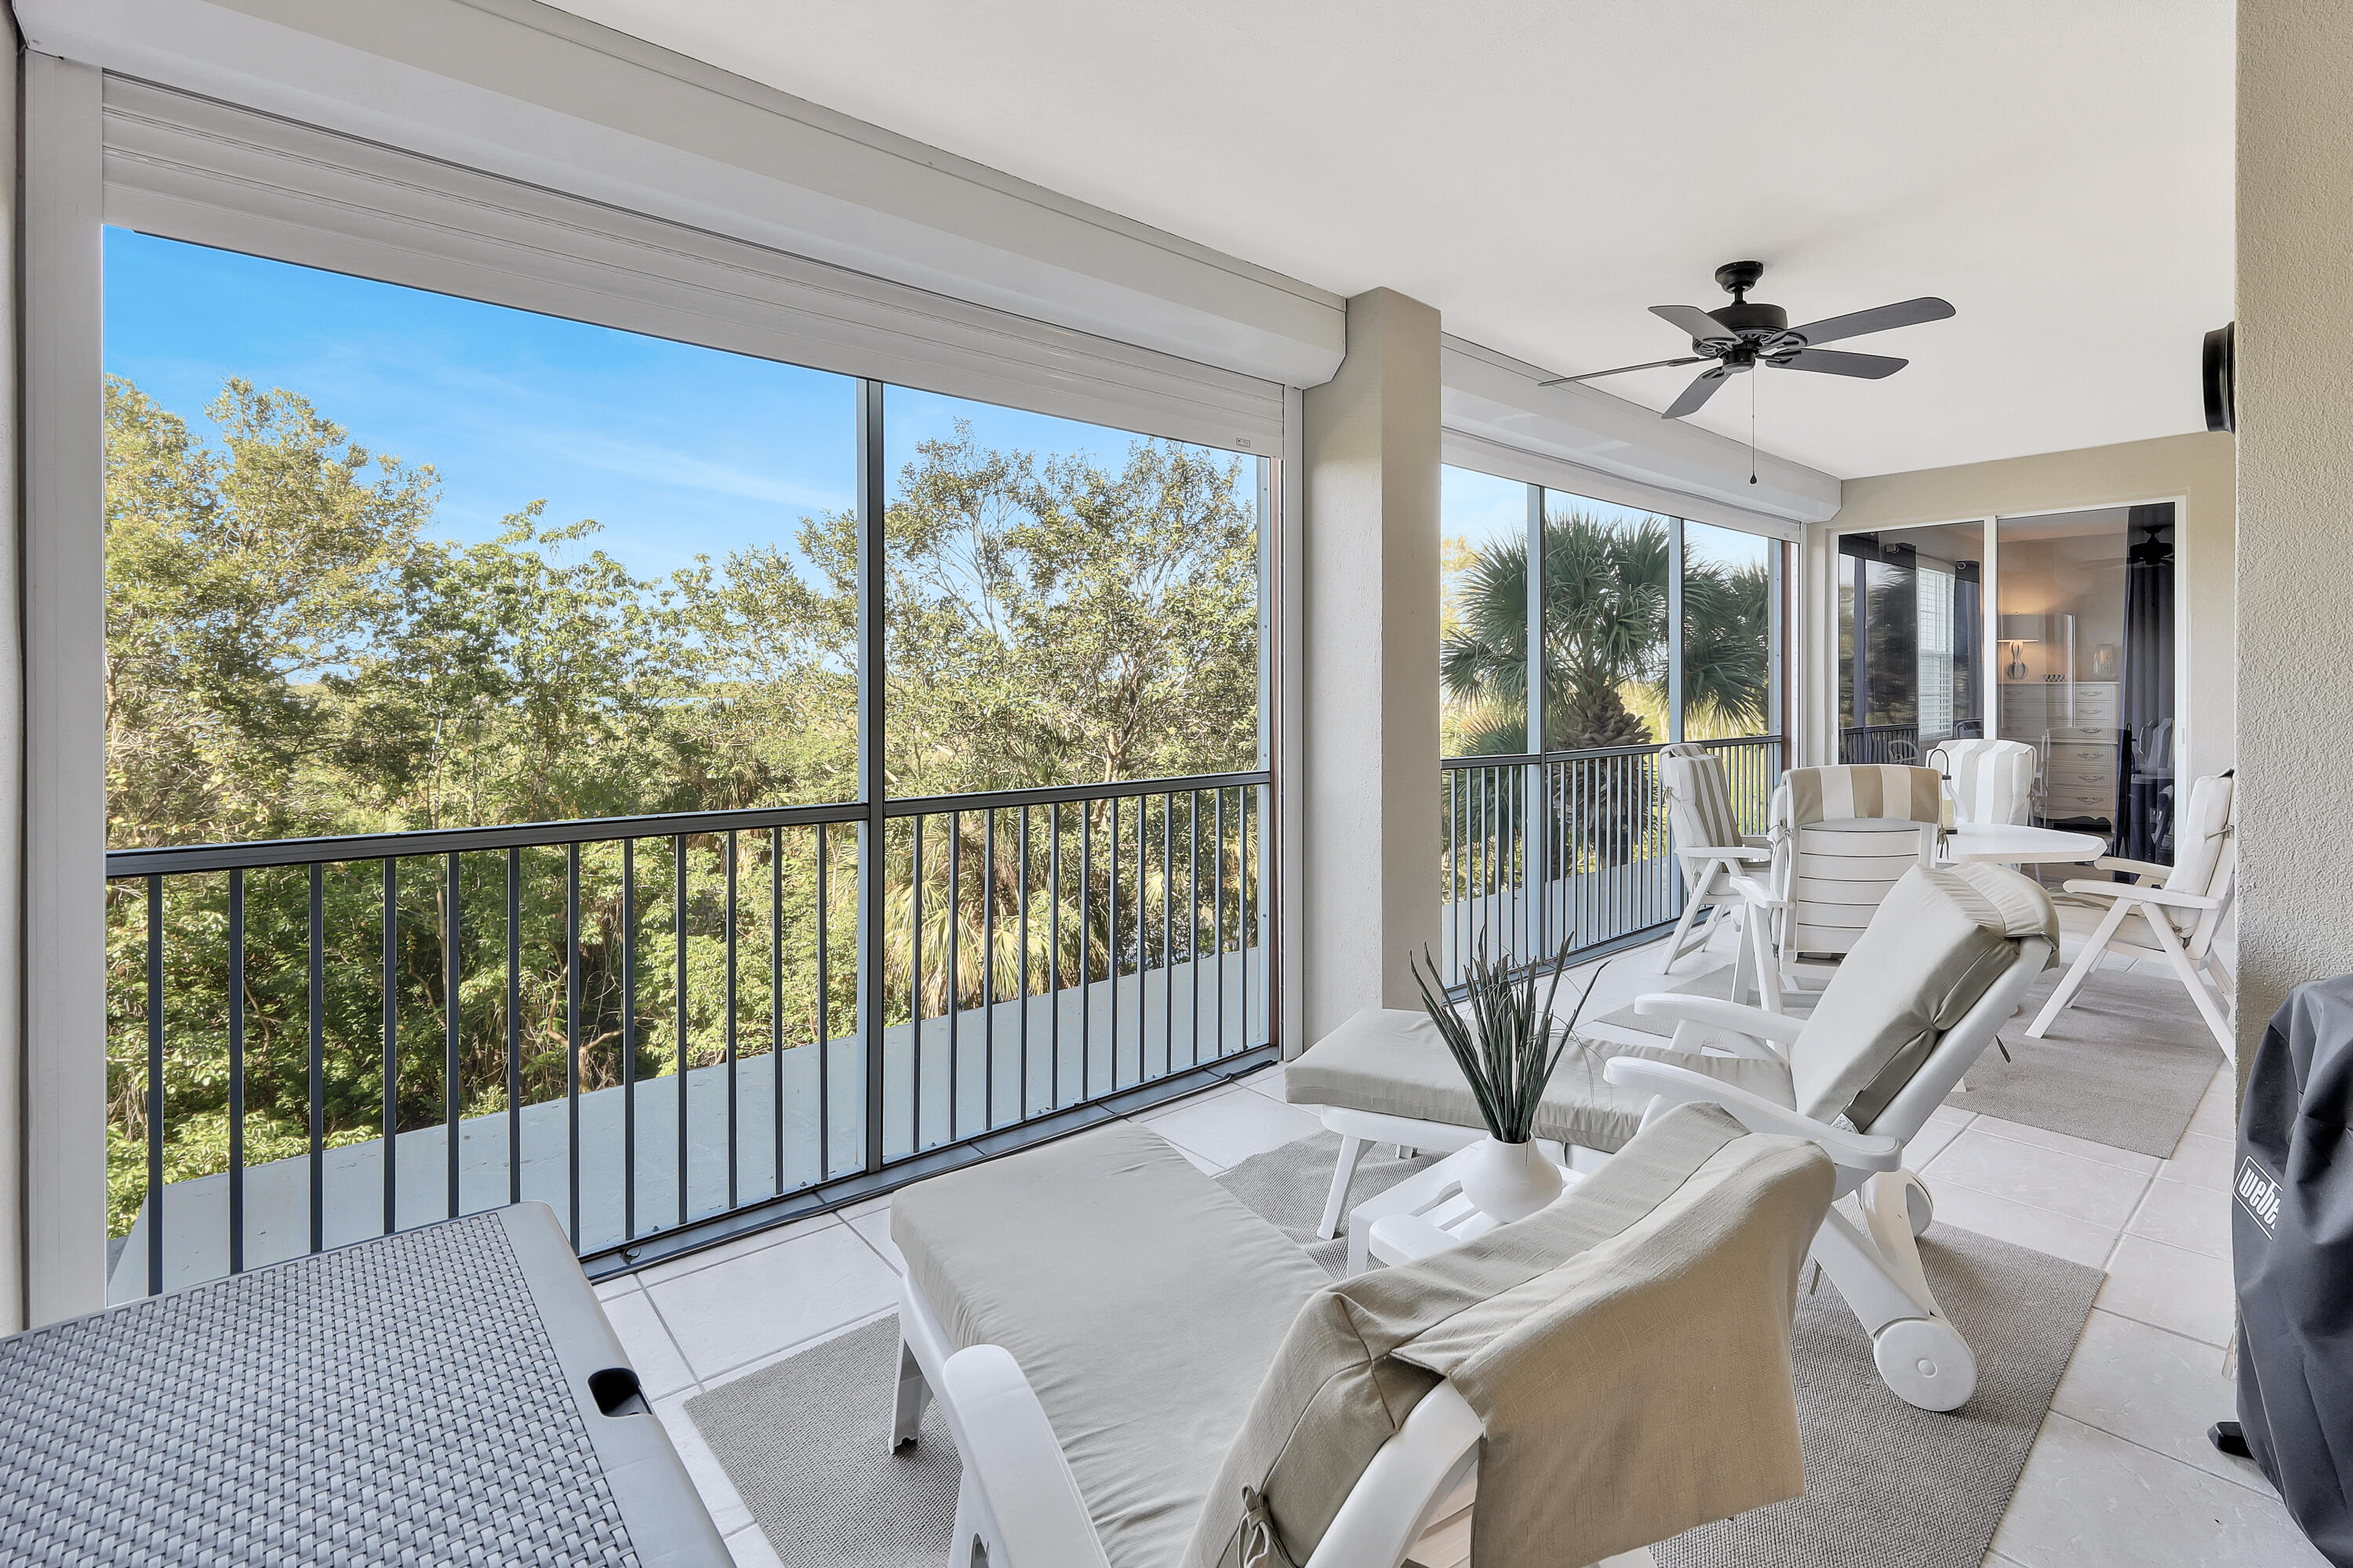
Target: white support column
[(64, 595), (1369, 879)]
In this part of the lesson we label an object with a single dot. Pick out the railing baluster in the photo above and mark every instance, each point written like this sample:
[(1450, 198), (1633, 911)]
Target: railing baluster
[(777, 1004), (733, 913), (389, 1149), (628, 1039), (453, 1096), (1143, 938), (1193, 914), (1022, 899), (1111, 933), (318, 1057), (915, 990), (678, 930), (824, 1012), (955, 973), (1054, 946), (1242, 797), (1086, 961), (154, 1086), (572, 1038), (515, 1025), (1167, 955), (236, 1072), (1218, 921), (988, 970)]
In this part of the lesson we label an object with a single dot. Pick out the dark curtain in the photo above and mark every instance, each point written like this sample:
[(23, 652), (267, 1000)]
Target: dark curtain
[(2144, 774)]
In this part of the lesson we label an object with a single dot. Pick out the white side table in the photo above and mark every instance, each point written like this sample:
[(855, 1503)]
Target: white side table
[(1426, 1213)]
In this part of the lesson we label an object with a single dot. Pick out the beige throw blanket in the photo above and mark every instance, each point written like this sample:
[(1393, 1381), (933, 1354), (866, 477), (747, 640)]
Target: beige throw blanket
[(1627, 1349)]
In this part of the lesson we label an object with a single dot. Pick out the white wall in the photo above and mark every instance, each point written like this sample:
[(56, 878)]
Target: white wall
[(2296, 500), (2194, 469)]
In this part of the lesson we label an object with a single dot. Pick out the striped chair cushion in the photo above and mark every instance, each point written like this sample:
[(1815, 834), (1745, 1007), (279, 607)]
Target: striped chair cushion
[(1810, 795), (1993, 780), (1699, 801)]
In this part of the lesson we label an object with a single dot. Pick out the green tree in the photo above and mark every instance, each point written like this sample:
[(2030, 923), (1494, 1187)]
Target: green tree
[(239, 583), (1605, 601), (291, 653)]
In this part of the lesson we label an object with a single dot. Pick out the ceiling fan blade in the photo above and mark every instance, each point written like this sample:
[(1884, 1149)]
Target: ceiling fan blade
[(1596, 374), (1695, 323), (1910, 312), (1702, 388), (1837, 362)]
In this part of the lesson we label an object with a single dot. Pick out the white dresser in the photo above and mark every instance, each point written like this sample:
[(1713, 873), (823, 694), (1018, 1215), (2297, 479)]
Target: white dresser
[(2073, 725)]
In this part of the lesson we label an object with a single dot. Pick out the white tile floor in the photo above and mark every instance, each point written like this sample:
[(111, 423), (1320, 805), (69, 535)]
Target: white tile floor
[(2121, 1472)]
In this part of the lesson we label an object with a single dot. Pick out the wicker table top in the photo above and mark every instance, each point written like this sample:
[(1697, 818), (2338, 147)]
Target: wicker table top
[(427, 1397)]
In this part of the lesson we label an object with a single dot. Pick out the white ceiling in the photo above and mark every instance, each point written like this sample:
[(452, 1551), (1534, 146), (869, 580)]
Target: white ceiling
[(1543, 170)]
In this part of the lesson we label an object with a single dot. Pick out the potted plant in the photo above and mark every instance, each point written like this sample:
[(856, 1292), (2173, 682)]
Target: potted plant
[(1507, 1047)]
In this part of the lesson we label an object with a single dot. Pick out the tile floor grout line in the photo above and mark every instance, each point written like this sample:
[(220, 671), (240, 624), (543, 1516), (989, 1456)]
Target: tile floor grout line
[(2116, 1312), (2262, 1492), (2021, 1202), (767, 1358), (2088, 1159)]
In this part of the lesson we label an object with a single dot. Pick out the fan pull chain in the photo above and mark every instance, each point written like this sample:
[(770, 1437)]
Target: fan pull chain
[(1752, 426)]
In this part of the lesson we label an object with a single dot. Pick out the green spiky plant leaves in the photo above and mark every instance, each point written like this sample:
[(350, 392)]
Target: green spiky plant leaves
[(1506, 1048)]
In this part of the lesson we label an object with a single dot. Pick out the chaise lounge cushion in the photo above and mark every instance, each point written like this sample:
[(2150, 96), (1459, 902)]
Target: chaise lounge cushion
[(1392, 1062), (1941, 938), (1143, 1301)]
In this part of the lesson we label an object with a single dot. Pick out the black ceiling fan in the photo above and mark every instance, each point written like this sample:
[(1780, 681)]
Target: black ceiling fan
[(1745, 335)]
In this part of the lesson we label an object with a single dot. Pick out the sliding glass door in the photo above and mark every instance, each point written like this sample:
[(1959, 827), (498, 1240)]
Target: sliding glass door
[(1910, 637)]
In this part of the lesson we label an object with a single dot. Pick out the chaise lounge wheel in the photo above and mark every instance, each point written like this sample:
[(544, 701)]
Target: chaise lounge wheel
[(1925, 1363), (1918, 1206)]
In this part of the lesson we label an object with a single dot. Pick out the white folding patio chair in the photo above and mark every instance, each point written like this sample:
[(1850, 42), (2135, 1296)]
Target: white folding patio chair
[(1992, 780), (2181, 908), (1713, 850), (1922, 993)]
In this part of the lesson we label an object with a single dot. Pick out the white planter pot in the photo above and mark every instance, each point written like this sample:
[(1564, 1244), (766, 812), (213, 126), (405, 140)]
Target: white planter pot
[(1508, 1181)]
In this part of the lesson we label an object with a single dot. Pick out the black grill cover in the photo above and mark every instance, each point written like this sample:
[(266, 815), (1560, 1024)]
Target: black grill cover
[(2291, 1240)]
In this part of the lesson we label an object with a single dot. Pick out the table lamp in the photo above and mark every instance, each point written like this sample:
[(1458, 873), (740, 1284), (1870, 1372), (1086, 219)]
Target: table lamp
[(2017, 630)]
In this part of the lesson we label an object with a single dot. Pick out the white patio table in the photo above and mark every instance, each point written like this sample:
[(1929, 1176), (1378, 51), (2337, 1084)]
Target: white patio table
[(2008, 843)]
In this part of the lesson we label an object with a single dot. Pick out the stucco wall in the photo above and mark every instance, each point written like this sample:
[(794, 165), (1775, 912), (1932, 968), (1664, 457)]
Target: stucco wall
[(2195, 470), (2296, 500)]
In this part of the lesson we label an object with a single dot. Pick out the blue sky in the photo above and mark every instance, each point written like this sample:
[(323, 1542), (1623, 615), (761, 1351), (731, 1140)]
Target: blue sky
[(676, 449)]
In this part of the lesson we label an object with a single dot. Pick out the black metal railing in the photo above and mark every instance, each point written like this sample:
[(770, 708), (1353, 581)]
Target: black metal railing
[(1880, 743), (1543, 848), (667, 1027)]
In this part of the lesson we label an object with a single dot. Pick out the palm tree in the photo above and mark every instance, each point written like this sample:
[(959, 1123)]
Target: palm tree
[(1605, 621), (1605, 603)]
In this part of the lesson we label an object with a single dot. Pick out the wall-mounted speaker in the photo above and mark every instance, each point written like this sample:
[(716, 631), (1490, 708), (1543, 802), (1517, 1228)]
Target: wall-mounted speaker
[(2221, 368)]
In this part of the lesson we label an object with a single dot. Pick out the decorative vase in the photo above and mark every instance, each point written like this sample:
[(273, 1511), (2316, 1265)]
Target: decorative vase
[(1508, 1181)]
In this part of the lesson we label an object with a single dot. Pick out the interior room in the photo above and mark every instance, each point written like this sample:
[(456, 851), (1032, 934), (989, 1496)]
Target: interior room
[(1085, 787)]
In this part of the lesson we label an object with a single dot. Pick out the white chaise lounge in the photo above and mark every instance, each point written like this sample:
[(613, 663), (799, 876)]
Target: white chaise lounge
[(1924, 990), (1141, 1372)]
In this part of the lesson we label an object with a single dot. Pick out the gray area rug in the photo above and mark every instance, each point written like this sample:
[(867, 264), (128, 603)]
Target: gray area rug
[(1886, 1483), (2126, 1065), (807, 1441), (807, 1444)]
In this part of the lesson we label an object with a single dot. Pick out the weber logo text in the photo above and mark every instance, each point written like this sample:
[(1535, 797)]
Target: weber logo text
[(2259, 1195)]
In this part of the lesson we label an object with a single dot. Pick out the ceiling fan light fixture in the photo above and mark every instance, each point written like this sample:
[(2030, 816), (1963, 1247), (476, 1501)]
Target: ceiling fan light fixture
[(1747, 333)]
